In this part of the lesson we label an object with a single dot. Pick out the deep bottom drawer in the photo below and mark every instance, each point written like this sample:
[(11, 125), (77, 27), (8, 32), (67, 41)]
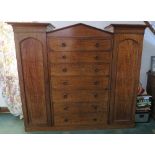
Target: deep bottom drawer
[(80, 119)]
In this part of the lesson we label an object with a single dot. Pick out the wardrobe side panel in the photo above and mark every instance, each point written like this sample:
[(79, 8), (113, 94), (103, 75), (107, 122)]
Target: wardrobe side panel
[(31, 53), (126, 70), (33, 75)]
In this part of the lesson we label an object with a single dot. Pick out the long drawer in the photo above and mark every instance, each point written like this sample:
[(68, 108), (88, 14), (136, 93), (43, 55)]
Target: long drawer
[(79, 107), (77, 44), (80, 119), (80, 69), (79, 57), (74, 83), (79, 95)]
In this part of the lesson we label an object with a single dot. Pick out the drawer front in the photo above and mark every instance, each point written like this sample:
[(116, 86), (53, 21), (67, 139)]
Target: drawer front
[(75, 44), (81, 119), (80, 107), (74, 83), (79, 96), (80, 69), (79, 57)]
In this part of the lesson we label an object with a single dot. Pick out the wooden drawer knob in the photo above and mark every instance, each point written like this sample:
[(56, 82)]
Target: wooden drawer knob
[(96, 82), (96, 57), (97, 45), (94, 119), (64, 69), (96, 95), (65, 120), (64, 57), (96, 70), (65, 96), (65, 83), (66, 108), (95, 107), (63, 45)]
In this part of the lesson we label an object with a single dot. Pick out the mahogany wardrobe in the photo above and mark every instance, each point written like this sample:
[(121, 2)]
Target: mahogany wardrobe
[(78, 77)]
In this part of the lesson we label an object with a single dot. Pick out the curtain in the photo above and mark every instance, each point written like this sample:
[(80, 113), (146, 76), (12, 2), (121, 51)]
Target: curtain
[(9, 82)]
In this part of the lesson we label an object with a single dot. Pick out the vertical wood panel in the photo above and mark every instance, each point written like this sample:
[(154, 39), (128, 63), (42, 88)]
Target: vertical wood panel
[(126, 78), (33, 74)]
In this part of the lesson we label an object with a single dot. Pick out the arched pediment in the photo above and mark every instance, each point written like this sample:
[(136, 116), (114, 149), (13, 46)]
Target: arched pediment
[(80, 30)]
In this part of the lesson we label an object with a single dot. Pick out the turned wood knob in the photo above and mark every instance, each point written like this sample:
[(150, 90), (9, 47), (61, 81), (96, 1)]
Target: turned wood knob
[(95, 107), (95, 119), (63, 45), (96, 95), (96, 57), (65, 83), (65, 108), (64, 57), (97, 44), (64, 69), (65, 95), (96, 82), (96, 70), (65, 120)]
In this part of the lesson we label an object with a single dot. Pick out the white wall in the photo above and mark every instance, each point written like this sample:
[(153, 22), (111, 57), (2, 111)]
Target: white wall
[(148, 50), (98, 24)]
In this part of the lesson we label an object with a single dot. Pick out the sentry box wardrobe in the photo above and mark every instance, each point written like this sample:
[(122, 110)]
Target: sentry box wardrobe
[(78, 77)]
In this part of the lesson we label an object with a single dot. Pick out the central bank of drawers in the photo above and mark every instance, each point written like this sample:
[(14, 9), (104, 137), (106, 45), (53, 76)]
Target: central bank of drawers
[(80, 74)]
